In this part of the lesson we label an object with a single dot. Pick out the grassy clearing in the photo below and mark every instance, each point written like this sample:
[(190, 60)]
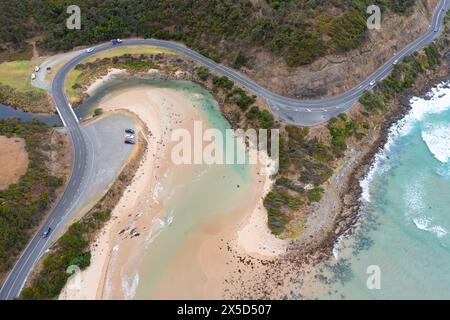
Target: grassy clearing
[(120, 51), (72, 78), (17, 74)]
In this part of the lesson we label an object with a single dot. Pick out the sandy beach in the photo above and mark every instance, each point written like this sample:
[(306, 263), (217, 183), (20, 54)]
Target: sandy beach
[(140, 214)]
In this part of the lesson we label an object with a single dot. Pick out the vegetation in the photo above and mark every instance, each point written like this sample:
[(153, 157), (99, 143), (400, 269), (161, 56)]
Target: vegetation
[(340, 129), (32, 101), (299, 31), (23, 204), (98, 112), (314, 195), (223, 82), (83, 73), (17, 74), (16, 89), (203, 73)]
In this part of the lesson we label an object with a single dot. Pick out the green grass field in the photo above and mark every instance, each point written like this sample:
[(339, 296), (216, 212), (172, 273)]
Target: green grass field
[(120, 51), (71, 80), (17, 74)]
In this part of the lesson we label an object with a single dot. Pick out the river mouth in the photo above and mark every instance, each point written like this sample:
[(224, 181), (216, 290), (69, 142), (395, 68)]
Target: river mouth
[(172, 215)]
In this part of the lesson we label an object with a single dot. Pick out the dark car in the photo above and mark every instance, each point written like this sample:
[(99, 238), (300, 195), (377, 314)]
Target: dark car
[(47, 232), (131, 131), (130, 141)]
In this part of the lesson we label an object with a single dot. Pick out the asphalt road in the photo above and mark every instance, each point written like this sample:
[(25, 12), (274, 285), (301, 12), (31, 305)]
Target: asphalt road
[(301, 112)]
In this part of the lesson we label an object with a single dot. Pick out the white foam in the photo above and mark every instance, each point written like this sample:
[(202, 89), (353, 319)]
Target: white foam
[(129, 286), (337, 246), (436, 101), (437, 139), (425, 223), (415, 208), (158, 225), (157, 192)]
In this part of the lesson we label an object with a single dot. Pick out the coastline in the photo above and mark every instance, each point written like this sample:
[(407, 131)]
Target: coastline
[(340, 207), (338, 211), (351, 192)]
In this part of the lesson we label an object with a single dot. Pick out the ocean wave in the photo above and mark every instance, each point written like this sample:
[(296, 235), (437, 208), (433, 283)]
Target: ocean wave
[(129, 286), (425, 223), (159, 225), (415, 208), (436, 101), (437, 139), (157, 192)]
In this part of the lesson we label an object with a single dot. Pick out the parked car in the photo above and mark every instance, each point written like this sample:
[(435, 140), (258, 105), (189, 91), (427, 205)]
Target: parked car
[(47, 232), (37, 68), (130, 141), (33, 76), (129, 131)]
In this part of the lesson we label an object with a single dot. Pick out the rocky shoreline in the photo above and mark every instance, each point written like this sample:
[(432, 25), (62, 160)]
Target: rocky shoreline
[(350, 191)]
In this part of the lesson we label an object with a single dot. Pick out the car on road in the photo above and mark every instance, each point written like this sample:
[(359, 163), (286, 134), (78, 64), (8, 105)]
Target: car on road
[(130, 141), (37, 68), (89, 50), (33, 76), (131, 131), (395, 62), (116, 41), (47, 232), (372, 83), (436, 29)]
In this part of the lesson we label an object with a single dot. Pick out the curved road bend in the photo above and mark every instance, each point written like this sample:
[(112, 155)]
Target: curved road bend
[(301, 112)]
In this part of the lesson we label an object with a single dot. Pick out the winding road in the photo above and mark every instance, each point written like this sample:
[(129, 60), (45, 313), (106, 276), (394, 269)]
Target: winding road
[(301, 112)]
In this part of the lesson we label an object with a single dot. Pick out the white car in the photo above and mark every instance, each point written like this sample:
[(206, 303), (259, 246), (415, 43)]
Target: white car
[(37, 68), (89, 50), (33, 76), (129, 136), (395, 62), (372, 83)]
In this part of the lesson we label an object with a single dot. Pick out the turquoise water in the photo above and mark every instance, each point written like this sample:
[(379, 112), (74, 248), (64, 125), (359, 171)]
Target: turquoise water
[(405, 220), (193, 201)]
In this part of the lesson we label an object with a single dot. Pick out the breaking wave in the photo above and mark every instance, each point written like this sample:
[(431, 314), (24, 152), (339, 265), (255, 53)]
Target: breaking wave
[(436, 101)]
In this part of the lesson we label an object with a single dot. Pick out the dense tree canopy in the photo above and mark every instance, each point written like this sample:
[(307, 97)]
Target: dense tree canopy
[(300, 31)]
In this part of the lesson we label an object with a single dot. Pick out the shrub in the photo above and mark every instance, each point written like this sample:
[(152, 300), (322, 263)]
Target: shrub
[(315, 195), (203, 73)]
